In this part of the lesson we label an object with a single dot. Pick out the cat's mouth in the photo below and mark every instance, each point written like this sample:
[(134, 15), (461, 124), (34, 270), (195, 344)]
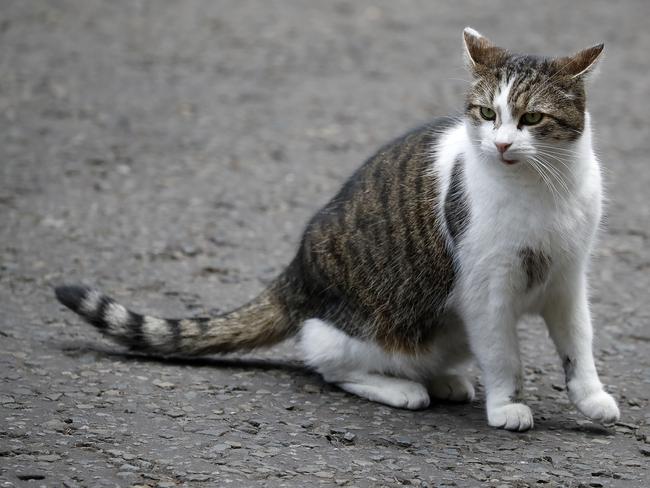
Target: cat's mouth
[(507, 161)]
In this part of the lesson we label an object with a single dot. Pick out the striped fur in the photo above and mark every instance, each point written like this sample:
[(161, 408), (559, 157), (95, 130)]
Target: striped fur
[(262, 322)]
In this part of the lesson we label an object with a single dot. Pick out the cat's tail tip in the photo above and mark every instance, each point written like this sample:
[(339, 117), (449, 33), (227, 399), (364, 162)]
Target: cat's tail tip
[(71, 295), (99, 310)]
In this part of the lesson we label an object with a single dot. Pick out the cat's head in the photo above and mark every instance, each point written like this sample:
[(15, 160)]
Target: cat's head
[(523, 107)]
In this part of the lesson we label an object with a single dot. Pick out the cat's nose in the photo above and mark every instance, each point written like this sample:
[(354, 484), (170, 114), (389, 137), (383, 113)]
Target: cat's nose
[(503, 146)]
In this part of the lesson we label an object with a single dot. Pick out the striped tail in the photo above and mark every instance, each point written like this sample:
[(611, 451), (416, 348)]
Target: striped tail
[(262, 322)]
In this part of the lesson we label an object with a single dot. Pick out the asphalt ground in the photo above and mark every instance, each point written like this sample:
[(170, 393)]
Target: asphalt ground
[(171, 152)]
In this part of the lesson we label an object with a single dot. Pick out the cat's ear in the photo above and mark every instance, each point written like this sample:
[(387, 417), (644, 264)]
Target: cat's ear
[(580, 64), (480, 51)]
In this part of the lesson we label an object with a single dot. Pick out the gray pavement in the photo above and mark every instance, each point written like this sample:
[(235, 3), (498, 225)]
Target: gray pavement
[(171, 152)]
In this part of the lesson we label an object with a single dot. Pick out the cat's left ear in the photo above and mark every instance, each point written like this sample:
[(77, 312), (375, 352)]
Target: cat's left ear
[(580, 64), (480, 51)]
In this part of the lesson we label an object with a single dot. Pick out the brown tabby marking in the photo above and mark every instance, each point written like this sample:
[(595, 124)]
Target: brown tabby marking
[(373, 262), (536, 265), (456, 204), (569, 366)]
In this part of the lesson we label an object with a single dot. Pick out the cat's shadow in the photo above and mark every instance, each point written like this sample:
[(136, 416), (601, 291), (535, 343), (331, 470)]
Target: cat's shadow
[(75, 349)]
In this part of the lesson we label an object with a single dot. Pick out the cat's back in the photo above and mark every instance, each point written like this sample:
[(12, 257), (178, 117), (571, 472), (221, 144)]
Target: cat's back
[(390, 181)]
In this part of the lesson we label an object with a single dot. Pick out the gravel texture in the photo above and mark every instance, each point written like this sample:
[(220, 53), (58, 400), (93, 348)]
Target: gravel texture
[(171, 152)]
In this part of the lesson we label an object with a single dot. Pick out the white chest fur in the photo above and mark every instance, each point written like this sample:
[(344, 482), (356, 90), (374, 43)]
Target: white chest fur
[(515, 216)]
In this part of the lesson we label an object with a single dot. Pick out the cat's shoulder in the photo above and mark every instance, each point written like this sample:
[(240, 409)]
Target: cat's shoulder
[(413, 150)]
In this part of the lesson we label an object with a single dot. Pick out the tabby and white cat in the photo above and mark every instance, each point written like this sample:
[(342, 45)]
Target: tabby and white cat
[(432, 252)]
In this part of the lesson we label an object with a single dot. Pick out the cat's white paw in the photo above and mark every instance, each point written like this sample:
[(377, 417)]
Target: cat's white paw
[(395, 392), (454, 388), (513, 416), (599, 407), (411, 396)]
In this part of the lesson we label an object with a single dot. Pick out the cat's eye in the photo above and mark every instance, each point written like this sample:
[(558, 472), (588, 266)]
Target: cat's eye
[(487, 113), (531, 118)]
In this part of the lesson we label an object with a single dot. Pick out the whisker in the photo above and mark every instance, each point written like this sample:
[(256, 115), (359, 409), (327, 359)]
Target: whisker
[(569, 168), (556, 148), (546, 180), (553, 173)]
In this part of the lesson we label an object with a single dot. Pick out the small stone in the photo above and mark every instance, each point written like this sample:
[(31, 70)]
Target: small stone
[(632, 464), (645, 450), (324, 474), (6, 399), (55, 425), (175, 413), (493, 460), (561, 473), (363, 463), (311, 388), (49, 458), (403, 441), (349, 437), (126, 474), (212, 432), (165, 385), (198, 477)]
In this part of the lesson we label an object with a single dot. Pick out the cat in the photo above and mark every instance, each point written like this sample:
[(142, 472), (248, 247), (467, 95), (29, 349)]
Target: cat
[(432, 251)]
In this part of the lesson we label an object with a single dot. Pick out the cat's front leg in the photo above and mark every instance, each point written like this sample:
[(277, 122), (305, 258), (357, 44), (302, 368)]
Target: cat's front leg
[(493, 339), (567, 316)]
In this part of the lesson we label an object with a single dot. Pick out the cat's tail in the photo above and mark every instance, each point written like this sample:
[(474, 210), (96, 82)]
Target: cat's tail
[(264, 321)]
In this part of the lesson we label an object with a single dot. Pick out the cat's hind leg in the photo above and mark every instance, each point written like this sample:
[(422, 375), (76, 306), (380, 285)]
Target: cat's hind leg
[(395, 392), (451, 387), (446, 364), (359, 367)]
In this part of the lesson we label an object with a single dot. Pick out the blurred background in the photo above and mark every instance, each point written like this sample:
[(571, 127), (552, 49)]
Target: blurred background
[(149, 130), (171, 153)]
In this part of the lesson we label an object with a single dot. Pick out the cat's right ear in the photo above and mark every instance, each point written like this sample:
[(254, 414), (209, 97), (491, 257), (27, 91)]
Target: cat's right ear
[(479, 51)]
